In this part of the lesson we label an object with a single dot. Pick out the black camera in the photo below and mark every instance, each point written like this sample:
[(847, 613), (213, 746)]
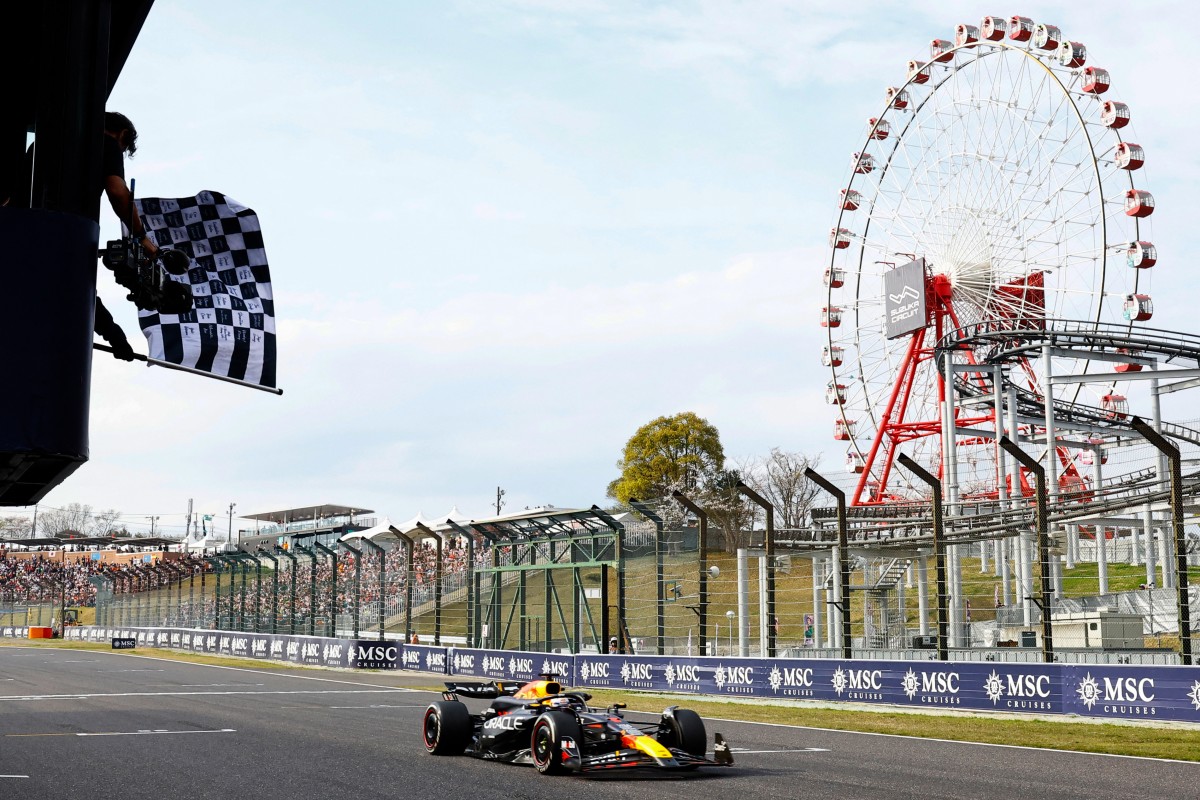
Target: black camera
[(149, 287)]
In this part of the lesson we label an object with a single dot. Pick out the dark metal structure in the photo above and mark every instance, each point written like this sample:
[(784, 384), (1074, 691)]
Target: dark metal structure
[(544, 543), (62, 59)]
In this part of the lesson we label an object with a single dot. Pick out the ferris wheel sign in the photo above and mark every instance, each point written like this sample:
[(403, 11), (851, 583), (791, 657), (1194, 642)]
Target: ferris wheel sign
[(904, 287)]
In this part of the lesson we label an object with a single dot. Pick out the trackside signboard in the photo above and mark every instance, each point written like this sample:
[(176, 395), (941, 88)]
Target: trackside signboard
[(904, 299), (1088, 690)]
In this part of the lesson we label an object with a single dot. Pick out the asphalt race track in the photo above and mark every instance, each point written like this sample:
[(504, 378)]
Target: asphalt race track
[(95, 724)]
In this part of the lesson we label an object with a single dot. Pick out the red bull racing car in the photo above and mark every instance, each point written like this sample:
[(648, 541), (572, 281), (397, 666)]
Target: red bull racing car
[(557, 731)]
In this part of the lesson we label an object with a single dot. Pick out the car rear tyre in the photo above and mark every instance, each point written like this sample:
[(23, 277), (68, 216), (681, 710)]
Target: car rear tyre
[(685, 730), (546, 743), (446, 728)]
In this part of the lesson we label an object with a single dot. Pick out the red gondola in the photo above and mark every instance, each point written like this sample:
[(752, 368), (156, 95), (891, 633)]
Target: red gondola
[(879, 128), (855, 462), (940, 50), (993, 28), (1096, 80), (864, 164), (1114, 115), (831, 317), (965, 34), (1020, 29), (851, 199), (839, 238), (835, 277), (918, 71), (835, 394), (1128, 366), (831, 356), (1139, 203), (1130, 156), (1115, 406), (897, 98), (843, 430)]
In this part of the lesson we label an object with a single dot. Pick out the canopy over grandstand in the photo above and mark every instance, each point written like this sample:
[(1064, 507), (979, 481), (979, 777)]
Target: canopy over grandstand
[(305, 513)]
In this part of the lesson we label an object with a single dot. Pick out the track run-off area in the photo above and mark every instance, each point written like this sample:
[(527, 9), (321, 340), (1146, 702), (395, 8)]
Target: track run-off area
[(97, 724)]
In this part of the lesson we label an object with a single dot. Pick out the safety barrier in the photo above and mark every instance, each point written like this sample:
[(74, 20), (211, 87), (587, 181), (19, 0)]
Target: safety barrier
[(1168, 693)]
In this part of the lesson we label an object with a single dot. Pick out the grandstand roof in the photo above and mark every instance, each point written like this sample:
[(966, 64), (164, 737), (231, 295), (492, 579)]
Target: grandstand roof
[(59, 541), (307, 512)]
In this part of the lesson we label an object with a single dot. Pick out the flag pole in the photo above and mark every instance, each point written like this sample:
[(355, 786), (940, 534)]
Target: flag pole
[(154, 362)]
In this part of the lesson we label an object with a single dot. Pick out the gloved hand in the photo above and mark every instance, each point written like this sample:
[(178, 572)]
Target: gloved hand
[(120, 346)]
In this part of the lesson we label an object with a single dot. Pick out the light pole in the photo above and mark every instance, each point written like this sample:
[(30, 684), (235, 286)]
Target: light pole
[(729, 619), (229, 536), (152, 521)]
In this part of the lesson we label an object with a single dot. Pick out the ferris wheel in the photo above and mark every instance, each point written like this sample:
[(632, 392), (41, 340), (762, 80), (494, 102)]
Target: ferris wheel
[(995, 185)]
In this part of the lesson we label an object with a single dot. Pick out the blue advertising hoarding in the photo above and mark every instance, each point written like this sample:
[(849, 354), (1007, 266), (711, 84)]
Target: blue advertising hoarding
[(1169, 693)]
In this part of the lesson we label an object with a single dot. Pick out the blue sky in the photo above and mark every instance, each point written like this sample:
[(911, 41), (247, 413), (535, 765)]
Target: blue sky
[(503, 235)]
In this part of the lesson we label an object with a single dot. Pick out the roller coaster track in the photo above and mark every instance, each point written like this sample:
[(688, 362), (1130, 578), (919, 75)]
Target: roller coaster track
[(907, 525)]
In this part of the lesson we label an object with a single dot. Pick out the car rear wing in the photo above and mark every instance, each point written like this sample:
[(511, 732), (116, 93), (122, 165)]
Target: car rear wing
[(484, 690)]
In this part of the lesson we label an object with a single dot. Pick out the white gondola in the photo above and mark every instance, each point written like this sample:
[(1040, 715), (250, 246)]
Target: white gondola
[(1141, 255), (1047, 37), (1072, 54), (965, 34), (1138, 307), (835, 394), (855, 462)]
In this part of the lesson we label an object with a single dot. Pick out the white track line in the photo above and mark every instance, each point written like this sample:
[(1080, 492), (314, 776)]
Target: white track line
[(951, 741), (89, 696)]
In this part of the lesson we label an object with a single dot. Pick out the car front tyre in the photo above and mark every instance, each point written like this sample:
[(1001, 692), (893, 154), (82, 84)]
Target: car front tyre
[(546, 741)]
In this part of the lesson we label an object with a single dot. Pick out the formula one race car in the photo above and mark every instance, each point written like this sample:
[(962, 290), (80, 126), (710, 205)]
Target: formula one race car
[(557, 731)]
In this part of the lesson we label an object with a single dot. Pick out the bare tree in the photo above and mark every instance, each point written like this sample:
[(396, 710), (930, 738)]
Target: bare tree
[(731, 512), (13, 526), (779, 478), (104, 522), (74, 517)]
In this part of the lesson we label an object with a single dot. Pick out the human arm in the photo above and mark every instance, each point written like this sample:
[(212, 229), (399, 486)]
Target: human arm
[(121, 200)]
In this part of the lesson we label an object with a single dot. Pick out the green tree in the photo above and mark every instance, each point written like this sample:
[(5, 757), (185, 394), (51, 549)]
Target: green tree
[(681, 452)]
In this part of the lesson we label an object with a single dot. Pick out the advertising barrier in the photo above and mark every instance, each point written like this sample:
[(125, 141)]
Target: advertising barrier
[(1088, 690)]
